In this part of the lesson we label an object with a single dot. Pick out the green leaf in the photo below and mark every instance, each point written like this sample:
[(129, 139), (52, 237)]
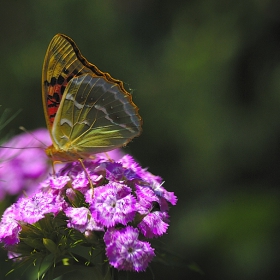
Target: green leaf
[(50, 245), (69, 269)]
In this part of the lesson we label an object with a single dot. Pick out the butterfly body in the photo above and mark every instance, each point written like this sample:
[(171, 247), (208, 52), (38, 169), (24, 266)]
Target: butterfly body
[(87, 111)]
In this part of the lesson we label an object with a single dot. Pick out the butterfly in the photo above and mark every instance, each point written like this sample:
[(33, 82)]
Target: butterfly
[(86, 110)]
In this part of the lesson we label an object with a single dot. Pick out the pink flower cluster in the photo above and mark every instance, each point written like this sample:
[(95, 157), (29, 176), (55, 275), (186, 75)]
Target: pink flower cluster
[(23, 163), (125, 203)]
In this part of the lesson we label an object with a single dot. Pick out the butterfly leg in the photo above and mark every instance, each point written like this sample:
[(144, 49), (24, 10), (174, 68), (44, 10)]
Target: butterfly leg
[(108, 157), (81, 161), (53, 168)]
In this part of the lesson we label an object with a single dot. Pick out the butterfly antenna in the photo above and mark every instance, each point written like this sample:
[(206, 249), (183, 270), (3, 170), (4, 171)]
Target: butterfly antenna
[(82, 164), (26, 131), (22, 148), (108, 157)]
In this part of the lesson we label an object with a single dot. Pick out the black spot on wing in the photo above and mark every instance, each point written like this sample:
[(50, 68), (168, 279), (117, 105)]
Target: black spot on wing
[(53, 105), (75, 72), (69, 78), (62, 89), (55, 98), (65, 71), (53, 81), (60, 80)]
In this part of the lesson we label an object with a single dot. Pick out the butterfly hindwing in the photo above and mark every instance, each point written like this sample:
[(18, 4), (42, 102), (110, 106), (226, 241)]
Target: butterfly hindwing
[(95, 116)]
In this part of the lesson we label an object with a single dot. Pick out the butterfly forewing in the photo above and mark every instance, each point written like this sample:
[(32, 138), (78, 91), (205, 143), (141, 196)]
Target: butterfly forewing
[(63, 61)]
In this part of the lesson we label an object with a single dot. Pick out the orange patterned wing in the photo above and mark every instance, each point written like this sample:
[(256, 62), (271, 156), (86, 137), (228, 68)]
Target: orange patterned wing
[(63, 61)]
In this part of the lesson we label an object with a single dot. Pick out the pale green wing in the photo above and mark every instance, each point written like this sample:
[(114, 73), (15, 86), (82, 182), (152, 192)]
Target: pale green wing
[(95, 115)]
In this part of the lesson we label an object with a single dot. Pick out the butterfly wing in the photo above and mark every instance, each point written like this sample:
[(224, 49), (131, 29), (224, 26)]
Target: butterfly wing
[(95, 115), (63, 61)]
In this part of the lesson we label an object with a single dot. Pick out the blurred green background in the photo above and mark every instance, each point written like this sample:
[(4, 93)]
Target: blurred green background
[(206, 77)]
